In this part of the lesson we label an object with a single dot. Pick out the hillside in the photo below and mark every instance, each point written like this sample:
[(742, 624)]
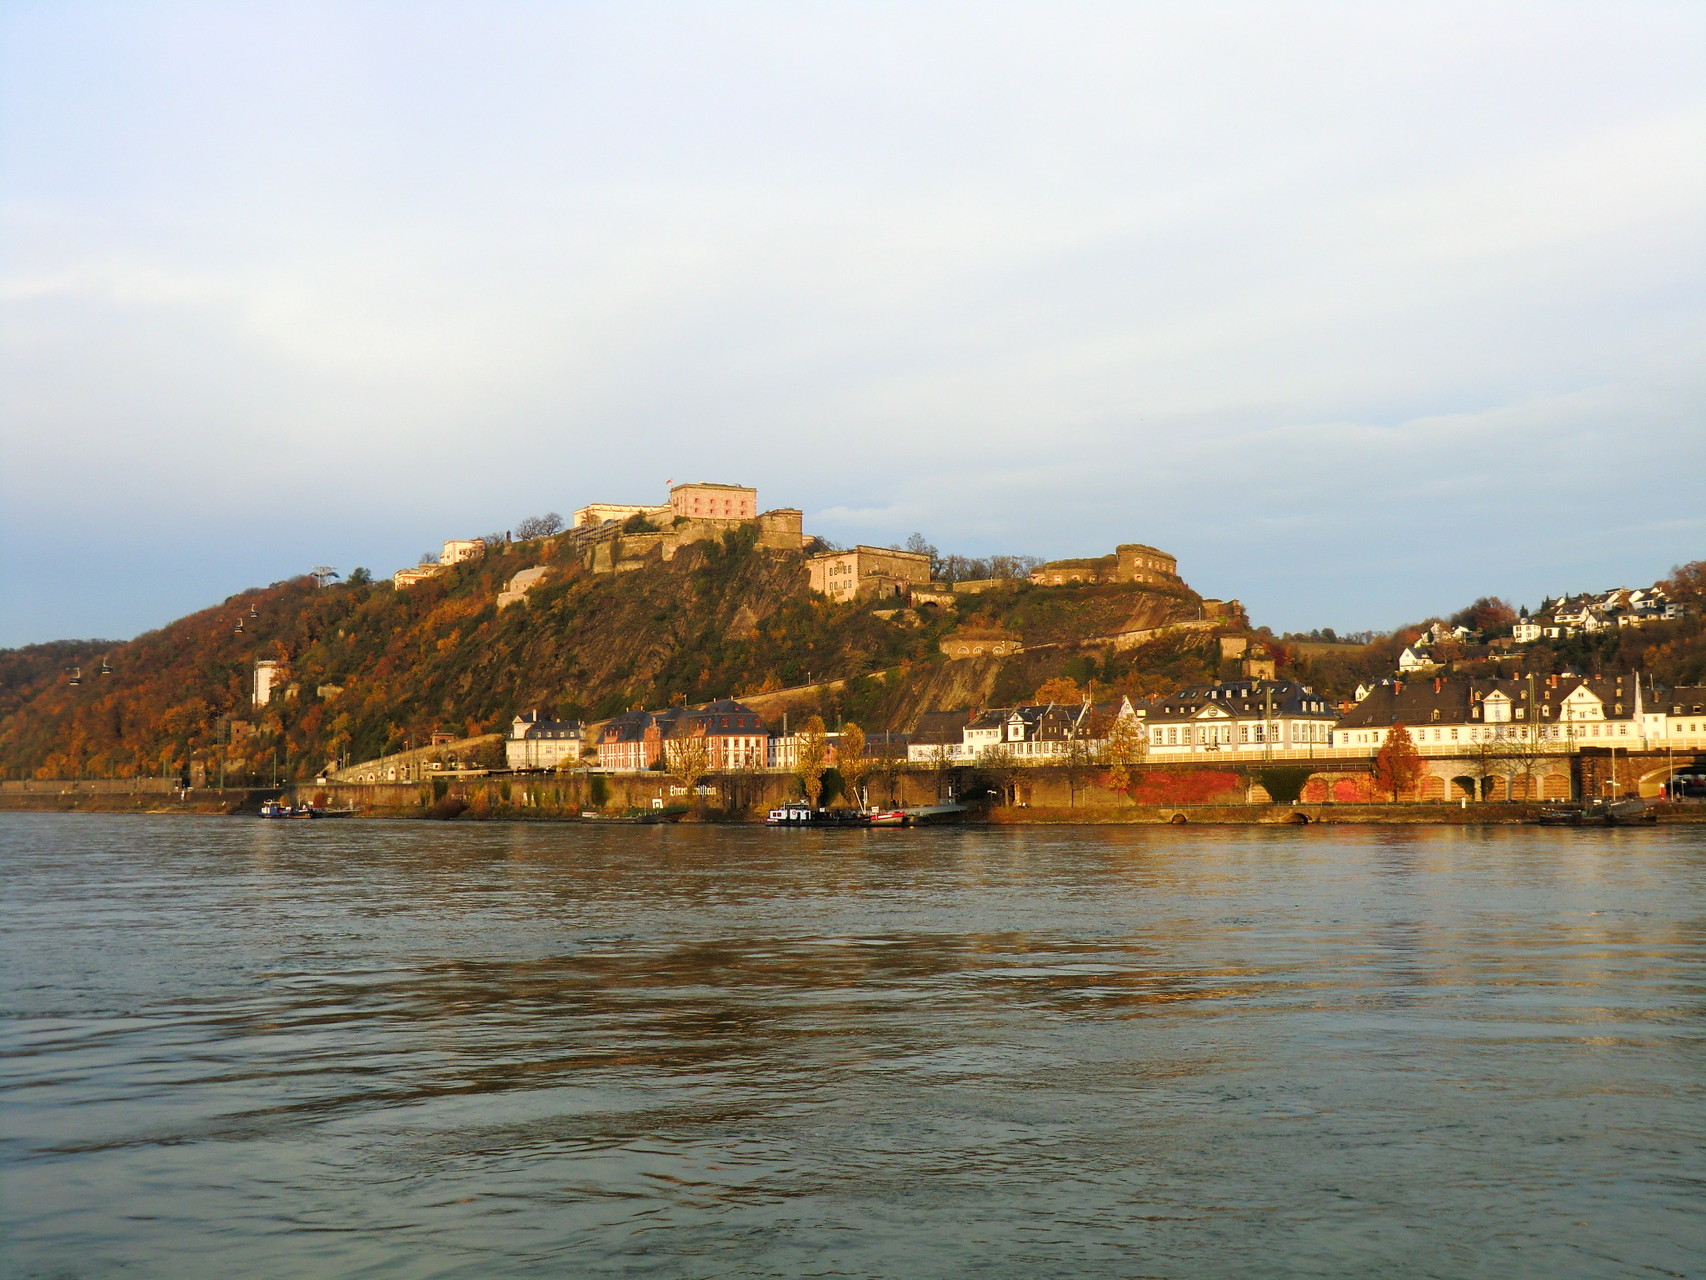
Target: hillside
[(369, 668)]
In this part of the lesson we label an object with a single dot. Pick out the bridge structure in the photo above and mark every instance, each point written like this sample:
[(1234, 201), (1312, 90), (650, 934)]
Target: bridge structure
[(1567, 771)]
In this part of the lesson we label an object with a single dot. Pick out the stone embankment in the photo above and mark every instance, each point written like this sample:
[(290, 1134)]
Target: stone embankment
[(1415, 814), (129, 795)]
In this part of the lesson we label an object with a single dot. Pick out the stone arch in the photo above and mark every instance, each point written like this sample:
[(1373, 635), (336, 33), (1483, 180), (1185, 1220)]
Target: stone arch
[(1555, 786), (1430, 787), (1651, 785)]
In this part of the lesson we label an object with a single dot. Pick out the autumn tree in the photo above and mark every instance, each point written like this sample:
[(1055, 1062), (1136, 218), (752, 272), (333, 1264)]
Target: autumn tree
[(1489, 615), (813, 758), (1398, 764), (1061, 689), (1687, 583), (850, 759), (1125, 747)]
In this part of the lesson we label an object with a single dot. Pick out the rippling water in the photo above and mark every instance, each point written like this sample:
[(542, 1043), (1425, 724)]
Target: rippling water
[(246, 1049)]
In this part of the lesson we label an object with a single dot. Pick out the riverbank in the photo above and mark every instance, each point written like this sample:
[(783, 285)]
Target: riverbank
[(406, 801)]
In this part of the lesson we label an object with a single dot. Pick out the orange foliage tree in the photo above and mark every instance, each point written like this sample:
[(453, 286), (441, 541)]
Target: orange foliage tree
[(1063, 689), (1398, 764)]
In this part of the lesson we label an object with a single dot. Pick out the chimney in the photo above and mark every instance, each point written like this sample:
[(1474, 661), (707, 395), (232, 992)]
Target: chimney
[(1437, 683)]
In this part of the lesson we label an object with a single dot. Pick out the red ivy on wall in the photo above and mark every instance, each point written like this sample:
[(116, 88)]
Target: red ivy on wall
[(1199, 786)]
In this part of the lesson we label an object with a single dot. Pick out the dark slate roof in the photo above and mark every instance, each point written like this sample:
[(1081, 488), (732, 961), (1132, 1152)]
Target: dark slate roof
[(1683, 700), (630, 726), (935, 728), (1441, 701), (1047, 721), (723, 717), (553, 729), (1242, 698), (877, 743)]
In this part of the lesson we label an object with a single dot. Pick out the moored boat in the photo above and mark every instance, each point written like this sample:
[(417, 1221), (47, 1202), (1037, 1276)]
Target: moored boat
[(279, 809)]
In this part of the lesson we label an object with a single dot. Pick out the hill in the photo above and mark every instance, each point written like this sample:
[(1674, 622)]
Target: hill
[(367, 668)]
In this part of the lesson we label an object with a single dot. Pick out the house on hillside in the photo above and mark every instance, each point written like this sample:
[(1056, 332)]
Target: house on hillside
[(1590, 613), (516, 589)]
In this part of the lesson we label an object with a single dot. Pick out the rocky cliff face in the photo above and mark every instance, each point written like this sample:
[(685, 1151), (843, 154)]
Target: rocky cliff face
[(370, 668)]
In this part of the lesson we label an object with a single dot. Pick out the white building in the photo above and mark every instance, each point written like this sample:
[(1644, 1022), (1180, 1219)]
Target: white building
[(459, 549), (1039, 733), (267, 672), (537, 743), (1239, 719)]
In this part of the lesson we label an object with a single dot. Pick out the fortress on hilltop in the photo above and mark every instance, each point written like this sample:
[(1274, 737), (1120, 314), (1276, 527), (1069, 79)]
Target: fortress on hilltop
[(1130, 562), (613, 536)]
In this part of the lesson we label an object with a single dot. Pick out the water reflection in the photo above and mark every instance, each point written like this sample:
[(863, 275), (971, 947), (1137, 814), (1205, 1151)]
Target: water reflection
[(400, 1049)]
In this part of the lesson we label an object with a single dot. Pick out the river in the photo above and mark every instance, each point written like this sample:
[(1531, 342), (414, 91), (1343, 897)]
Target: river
[(247, 1049)]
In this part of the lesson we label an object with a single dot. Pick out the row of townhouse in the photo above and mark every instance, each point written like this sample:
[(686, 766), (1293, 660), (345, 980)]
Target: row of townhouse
[(1229, 721), (1036, 733), (736, 737), (1559, 712)]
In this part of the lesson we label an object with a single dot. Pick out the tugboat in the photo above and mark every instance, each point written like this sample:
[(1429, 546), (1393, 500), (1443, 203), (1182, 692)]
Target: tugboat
[(279, 809)]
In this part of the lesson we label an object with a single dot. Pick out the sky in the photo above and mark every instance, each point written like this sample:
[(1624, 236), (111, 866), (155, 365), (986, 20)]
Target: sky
[(1362, 311)]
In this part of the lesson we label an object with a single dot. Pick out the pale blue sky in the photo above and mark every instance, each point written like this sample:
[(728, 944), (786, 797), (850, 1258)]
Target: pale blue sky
[(1362, 310)]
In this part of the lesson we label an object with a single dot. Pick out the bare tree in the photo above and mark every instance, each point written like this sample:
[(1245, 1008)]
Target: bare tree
[(889, 765), (1527, 747), (1076, 763), (539, 526), (1002, 766), (939, 762), (689, 757), (1481, 760)]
